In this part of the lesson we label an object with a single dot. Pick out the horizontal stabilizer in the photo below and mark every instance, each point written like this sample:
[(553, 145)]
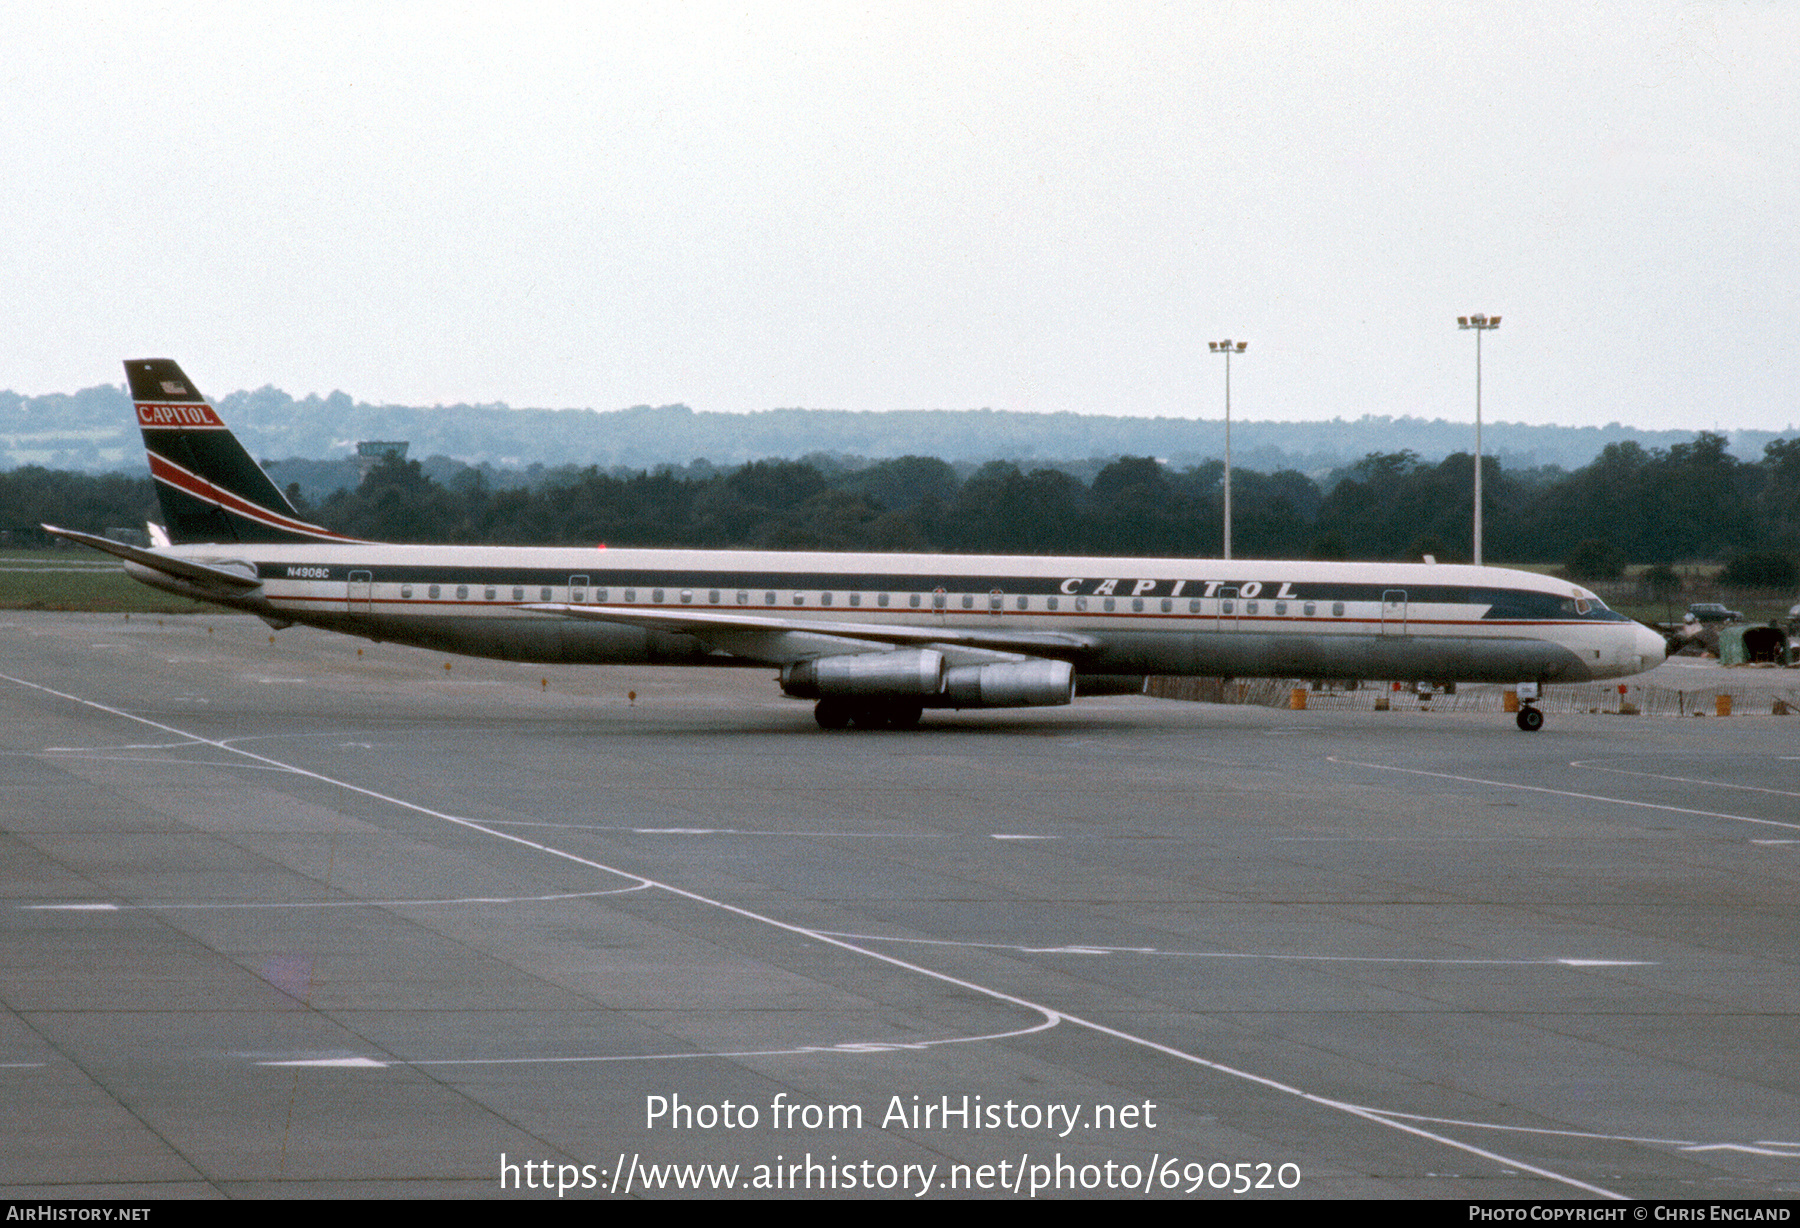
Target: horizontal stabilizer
[(227, 577)]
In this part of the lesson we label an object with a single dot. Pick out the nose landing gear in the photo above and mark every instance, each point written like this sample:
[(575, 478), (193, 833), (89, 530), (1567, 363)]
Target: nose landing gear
[(1530, 719)]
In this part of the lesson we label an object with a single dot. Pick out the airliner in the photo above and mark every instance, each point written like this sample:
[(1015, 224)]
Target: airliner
[(873, 640)]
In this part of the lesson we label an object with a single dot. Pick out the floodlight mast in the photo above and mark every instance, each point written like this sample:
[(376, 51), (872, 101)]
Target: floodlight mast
[(1227, 348), (1480, 324)]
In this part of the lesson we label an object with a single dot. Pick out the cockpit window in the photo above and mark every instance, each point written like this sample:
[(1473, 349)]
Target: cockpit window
[(1524, 604)]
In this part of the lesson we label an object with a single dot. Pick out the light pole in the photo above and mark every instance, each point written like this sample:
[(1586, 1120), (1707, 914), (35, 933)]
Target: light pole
[(1227, 348), (1480, 324)]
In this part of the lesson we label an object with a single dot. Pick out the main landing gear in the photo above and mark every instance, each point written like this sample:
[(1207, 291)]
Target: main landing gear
[(838, 713)]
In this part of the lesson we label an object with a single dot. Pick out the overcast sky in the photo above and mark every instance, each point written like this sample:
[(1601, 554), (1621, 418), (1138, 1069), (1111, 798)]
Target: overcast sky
[(1027, 206)]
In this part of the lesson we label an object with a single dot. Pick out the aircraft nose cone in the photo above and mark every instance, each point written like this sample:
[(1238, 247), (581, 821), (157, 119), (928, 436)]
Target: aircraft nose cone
[(1651, 649)]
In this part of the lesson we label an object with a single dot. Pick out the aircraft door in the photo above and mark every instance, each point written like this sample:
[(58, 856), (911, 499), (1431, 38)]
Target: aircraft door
[(361, 593), (1225, 613), (1393, 612)]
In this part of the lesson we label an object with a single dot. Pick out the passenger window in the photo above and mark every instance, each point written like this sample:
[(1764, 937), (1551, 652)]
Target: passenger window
[(1081, 603), (462, 592), (578, 594), (937, 600), (855, 598), (1250, 607), (913, 601), (687, 595), (656, 595), (406, 591), (1228, 607), (631, 594), (968, 601), (432, 592), (768, 598), (1053, 603), (713, 597), (1137, 605), (1281, 607), (1194, 605), (996, 601), (824, 598), (490, 594), (1310, 608), (743, 598), (1337, 609), (599, 594), (1109, 605), (518, 594), (882, 600), (1024, 603), (799, 599), (1167, 605), (543, 594)]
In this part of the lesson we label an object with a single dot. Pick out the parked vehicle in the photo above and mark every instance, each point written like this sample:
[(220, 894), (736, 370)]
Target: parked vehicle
[(1713, 612)]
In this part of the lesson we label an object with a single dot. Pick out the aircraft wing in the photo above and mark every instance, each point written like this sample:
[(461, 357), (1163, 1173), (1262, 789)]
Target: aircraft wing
[(230, 579), (774, 638)]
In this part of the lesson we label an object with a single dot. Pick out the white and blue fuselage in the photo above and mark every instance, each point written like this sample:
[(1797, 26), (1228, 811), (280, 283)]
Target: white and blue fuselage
[(874, 638), (1431, 622)]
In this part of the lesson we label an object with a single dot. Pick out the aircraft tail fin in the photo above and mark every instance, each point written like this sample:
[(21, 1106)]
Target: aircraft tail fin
[(211, 489)]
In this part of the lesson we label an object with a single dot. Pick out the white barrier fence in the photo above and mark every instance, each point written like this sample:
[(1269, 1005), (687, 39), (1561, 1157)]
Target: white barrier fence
[(1745, 700)]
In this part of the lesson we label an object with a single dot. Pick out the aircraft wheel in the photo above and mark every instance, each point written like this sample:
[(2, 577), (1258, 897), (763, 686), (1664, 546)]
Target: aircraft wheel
[(905, 716), (832, 714), (1530, 720)]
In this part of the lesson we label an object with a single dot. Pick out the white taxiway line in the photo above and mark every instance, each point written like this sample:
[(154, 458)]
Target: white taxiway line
[(770, 833), (724, 831), (473, 899), (1585, 797), (1095, 949), (1591, 766), (858, 1047), (57, 754), (1353, 1110), (1761, 1147)]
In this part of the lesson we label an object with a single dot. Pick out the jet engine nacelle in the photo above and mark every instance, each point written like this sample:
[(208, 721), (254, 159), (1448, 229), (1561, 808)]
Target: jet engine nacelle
[(1022, 684), (909, 673)]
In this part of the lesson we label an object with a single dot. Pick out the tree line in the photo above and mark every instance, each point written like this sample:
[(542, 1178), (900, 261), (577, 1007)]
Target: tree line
[(95, 430), (1690, 502)]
